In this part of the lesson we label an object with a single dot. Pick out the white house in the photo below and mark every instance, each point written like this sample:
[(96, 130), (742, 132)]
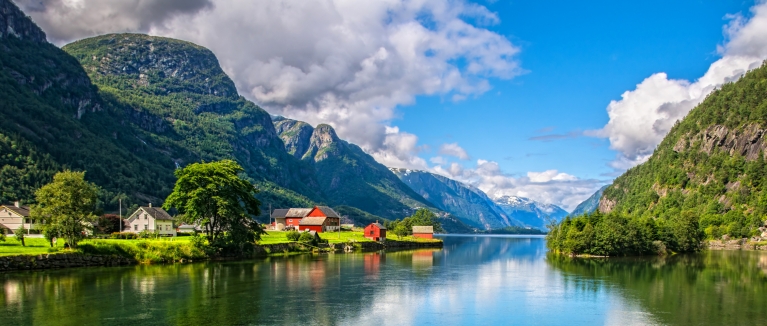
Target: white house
[(151, 219), (15, 216)]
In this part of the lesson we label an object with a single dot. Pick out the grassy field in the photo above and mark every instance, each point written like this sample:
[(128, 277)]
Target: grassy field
[(34, 246), (162, 249), (273, 237), (333, 237)]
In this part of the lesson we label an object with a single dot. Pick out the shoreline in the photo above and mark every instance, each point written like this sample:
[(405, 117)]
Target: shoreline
[(61, 260)]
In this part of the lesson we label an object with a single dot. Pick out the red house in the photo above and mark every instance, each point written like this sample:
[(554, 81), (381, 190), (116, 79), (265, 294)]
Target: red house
[(319, 219), (375, 232), (424, 232)]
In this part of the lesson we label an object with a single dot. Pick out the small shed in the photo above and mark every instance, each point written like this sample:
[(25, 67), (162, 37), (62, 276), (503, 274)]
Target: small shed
[(375, 231), (424, 232)]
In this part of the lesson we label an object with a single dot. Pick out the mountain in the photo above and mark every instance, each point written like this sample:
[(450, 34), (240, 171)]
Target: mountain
[(53, 118), (590, 204), (130, 109), (348, 175), (709, 170), (469, 204), (529, 212)]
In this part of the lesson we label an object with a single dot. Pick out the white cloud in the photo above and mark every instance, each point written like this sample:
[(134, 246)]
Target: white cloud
[(438, 160), (350, 64), (643, 116), (452, 149), (549, 175), (68, 20)]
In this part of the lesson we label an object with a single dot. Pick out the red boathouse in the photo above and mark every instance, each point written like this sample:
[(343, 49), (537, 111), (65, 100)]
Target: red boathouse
[(375, 232), (424, 232)]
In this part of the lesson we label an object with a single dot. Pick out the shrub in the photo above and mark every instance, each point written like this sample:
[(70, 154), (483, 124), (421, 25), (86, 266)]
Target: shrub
[(293, 235), (123, 235), (19, 233), (308, 238)]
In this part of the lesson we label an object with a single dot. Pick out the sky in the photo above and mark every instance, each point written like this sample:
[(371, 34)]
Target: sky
[(548, 100)]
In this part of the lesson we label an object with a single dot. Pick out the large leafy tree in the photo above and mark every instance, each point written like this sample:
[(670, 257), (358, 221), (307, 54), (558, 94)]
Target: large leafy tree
[(214, 196), (67, 204)]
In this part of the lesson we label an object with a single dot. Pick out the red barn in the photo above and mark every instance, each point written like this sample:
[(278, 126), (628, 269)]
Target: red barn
[(375, 232), (319, 219), (424, 232)]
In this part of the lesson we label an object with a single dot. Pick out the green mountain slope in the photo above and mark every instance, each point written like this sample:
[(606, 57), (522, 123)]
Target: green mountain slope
[(705, 179), (180, 103), (711, 165), (348, 175), (53, 118)]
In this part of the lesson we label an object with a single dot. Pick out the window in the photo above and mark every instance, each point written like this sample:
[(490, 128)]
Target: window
[(144, 226), (145, 216), (290, 220), (371, 232), (167, 228), (135, 227)]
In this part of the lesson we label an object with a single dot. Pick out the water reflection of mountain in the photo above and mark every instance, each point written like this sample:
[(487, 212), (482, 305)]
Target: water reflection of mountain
[(711, 288), (279, 290)]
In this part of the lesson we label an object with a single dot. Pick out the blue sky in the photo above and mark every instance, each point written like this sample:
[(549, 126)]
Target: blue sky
[(578, 59), (542, 99)]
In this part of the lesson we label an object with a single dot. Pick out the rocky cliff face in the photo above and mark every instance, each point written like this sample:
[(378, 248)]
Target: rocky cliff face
[(14, 23), (348, 175), (295, 134)]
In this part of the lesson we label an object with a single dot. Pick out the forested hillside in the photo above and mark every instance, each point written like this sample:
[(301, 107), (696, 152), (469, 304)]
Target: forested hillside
[(706, 179), (53, 118)]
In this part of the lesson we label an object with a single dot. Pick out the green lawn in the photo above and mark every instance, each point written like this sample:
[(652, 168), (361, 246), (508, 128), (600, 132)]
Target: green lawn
[(34, 246), (273, 237)]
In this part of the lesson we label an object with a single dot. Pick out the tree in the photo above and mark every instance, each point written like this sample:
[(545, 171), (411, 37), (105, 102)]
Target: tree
[(108, 223), (400, 230), (67, 203), (2, 234), (425, 217), (214, 196), (51, 232), (19, 233)]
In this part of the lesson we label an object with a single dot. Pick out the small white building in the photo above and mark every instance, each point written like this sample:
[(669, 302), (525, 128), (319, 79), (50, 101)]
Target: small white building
[(151, 219), (15, 216)]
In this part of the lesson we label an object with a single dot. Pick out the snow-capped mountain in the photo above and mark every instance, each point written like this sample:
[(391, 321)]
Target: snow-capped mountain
[(528, 211), (473, 207)]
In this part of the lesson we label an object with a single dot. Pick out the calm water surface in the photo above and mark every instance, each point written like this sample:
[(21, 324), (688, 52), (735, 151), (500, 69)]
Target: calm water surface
[(472, 281)]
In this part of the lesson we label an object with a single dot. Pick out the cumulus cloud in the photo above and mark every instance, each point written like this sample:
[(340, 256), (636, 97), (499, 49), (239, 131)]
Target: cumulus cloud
[(643, 116), (452, 149), (350, 64), (67, 20), (549, 187)]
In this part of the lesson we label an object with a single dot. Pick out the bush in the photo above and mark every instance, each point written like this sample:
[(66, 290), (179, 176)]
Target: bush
[(20, 233), (197, 241), (123, 235), (307, 238), (293, 235)]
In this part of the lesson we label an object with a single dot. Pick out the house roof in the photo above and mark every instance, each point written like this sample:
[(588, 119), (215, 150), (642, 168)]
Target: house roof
[(280, 212), (298, 212), (378, 225), (155, 212), (313, 220), (329, 212), (423, 229), (21, 211)]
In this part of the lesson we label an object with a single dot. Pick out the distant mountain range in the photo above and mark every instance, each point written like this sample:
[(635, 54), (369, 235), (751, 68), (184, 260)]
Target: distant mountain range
[(590, 204), (530, 212), (473, 207)]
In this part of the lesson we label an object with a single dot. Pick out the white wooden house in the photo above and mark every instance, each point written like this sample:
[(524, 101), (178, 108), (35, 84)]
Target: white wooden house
[(15, 216), (151, 219)]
